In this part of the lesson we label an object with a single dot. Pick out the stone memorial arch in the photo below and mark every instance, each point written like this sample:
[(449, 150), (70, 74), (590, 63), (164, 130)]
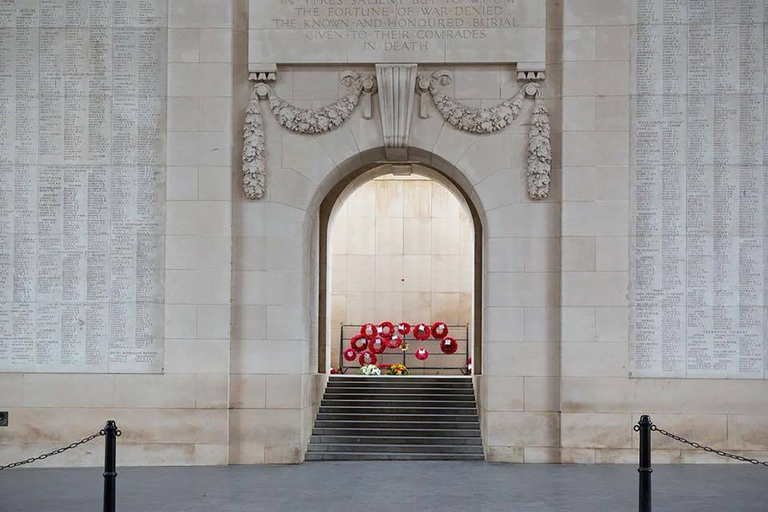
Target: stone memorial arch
[(311, 131)]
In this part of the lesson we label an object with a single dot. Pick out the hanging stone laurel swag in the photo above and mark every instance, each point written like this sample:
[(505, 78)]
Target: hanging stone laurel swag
[(298, 120), (254, 150), (397, 79), (483, 121)]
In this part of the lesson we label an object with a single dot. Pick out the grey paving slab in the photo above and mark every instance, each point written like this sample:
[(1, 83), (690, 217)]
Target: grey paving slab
[(388, 486)]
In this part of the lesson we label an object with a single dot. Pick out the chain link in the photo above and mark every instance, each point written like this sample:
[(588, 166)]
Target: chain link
[(708, 449), (54, 452)]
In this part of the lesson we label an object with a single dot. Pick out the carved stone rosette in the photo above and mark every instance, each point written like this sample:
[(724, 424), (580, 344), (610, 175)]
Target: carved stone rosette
[(298, 120), (489, 120)]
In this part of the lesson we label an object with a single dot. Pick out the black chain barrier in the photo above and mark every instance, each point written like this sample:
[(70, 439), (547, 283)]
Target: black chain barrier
[(707, 449), (110, 432), (44, 456), (646, 428)]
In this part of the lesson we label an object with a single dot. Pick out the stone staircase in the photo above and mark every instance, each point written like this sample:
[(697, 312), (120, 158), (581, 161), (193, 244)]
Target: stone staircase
[(397, 418)]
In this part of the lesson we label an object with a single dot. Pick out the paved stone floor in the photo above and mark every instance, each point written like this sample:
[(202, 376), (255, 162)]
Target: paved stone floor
[(388, 486)]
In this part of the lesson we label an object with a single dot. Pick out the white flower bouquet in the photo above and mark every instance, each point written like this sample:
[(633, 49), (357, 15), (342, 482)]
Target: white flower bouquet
[(370, 369)]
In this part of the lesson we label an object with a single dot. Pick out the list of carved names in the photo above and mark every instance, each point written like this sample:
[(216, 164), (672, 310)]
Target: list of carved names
[(82, 110), (699, 190)]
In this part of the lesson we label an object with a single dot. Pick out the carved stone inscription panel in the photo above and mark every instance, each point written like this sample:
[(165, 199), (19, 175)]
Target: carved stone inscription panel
[(380, 31), (82, 115), (698, 190)]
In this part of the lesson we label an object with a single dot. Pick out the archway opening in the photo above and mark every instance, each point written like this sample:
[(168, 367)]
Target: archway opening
[(401, 244)]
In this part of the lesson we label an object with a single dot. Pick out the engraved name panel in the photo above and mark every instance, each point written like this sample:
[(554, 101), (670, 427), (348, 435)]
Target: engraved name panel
[(82, 110)]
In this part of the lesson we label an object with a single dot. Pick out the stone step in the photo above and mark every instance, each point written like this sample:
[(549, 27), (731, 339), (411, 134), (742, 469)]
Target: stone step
[(418, 397), (356, 416), (397, 432), (394, 409), (397, 418), (393, 378), (399, 404), (355, 456), (386, 440), (395, 448), (398, 384), (384, 425)]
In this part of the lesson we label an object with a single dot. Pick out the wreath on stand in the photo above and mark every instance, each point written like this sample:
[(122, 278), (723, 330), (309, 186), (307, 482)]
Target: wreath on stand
[(421, 332)]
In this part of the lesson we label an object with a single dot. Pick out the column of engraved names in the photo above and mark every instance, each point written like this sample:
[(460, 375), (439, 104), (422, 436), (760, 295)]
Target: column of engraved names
[(138, 155), (647, 192)]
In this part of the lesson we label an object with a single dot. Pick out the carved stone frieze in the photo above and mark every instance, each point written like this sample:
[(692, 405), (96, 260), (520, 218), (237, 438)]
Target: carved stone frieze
[(299, 120), (539, 152), (254, 149), (468, 119), (483, 121)]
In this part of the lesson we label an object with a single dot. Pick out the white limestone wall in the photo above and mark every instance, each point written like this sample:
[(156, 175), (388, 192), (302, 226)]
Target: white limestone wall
[(178, 417), (599, 402)]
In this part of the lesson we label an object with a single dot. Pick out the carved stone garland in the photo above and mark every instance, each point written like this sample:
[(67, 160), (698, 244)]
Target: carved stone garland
[(298, 120), (489, 120)]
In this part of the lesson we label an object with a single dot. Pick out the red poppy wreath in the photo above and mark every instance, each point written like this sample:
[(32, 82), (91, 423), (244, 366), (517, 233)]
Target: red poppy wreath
[(350, 354), (403, 328), (359, 343), (367, 357), (422, 354), (386, 329), (449, 345), (421, 332), (439, 330), (370, 331), (377, 345), (395, 341)]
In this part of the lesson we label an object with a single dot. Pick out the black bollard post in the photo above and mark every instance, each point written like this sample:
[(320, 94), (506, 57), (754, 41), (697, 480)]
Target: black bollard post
[(110, 465), (645, 470)]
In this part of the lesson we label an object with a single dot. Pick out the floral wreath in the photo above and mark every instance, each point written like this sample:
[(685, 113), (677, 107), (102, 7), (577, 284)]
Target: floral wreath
[(421, 332), (422, 354), (403, 328), (449, 345), (359, 343), (367, 357), (350, 354), (378, 345), (395, 341), (369, 331), (386, 329), (439, 330)]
